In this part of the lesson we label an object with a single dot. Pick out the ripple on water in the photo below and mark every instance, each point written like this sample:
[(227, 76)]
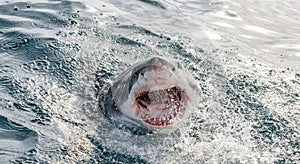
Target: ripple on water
[(6, 24), (16, 140), (50, 52)]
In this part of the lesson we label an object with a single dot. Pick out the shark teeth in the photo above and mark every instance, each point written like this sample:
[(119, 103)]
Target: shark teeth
[(165, 119), (160, 107)]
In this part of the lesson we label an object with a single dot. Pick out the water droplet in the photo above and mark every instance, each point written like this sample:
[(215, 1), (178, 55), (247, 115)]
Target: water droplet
[(15, 8), (75, 15)]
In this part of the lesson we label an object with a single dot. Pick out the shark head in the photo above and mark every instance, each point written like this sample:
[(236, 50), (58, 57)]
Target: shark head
[(156, 93)]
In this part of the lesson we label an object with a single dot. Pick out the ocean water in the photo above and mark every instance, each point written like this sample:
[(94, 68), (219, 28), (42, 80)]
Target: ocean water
[(244, 55)]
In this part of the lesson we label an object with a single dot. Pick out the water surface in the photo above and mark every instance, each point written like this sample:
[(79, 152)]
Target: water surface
[(245, 57)]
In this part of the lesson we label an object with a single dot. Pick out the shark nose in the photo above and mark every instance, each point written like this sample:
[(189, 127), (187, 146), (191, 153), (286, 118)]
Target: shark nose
[(157, 60)]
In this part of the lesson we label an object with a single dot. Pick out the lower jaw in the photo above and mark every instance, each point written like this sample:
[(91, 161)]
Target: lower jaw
[(163, 123), (159, 124)]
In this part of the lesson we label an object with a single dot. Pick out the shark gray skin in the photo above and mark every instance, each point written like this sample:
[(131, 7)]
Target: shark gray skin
[(153, 95)]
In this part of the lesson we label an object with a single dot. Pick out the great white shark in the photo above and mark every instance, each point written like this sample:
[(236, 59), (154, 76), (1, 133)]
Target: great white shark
[(153, 95)]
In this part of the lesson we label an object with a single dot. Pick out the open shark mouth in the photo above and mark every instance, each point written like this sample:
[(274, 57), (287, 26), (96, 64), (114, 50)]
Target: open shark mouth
[(161, 107)]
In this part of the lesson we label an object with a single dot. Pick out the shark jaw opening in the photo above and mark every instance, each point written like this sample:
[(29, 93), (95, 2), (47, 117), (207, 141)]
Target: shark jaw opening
[(159, 108), (154, 95)]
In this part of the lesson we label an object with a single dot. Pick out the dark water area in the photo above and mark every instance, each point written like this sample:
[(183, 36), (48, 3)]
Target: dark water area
[(245, 57)]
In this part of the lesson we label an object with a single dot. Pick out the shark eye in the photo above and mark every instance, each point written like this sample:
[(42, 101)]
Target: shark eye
[(142, 74), (173, 69)]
